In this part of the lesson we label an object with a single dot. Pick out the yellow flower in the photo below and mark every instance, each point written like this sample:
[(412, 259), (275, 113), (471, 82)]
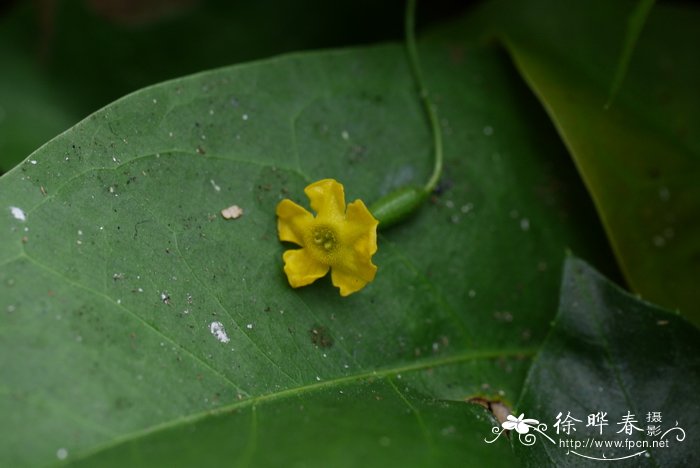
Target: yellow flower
[(337, 239)]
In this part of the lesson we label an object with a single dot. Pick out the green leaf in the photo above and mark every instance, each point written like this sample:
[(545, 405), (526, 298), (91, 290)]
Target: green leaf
[(111, 285), (640, 158), (611, 352)]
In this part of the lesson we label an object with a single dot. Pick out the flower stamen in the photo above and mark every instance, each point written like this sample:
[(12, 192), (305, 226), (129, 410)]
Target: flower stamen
[(324, 238)]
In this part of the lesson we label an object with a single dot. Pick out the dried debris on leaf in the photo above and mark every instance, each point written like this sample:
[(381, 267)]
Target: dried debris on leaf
[(232, 212)]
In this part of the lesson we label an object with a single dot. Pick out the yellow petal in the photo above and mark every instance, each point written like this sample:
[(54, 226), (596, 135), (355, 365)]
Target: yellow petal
[(327, 199), (301, 268), (361, 228), (350, 281), (292, 221)]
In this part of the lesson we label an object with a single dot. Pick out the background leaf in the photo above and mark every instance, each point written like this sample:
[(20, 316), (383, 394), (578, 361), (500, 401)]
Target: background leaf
[(611, 352), (53, 76), (639, 158), (110, 285)]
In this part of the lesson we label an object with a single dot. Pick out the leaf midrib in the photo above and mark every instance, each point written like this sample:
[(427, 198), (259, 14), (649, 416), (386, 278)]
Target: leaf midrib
[(368, 376)]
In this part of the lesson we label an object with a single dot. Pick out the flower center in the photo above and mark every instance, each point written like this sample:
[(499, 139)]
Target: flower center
[(324, 238)]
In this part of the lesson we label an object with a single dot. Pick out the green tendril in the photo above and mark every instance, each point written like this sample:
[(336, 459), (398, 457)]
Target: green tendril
[(428, 106), (401, 203)]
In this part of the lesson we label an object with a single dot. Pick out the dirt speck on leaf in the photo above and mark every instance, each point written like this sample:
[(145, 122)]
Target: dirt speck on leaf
[(217, 329), (320, 336), (18, 213), (232, 212)]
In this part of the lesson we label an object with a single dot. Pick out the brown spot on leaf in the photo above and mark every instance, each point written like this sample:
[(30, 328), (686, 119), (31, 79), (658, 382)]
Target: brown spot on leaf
[(499, 409), (320, 336)]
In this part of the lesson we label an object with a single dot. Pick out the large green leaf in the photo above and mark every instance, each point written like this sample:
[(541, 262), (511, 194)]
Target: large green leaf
[(639, 157), (112, 282), (611, 352)]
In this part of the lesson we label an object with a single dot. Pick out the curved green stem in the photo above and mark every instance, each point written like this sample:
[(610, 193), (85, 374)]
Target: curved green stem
[(431, 112), (403, 202)]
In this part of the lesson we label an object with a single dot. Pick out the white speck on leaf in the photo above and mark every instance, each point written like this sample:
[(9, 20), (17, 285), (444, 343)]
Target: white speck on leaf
[(18, 213), (345, 135), (33, 161), (245, 117), (249, 326), (525, 224), (217, 329), (232, 212), (213, 184), (488, 130), (61, 453)]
